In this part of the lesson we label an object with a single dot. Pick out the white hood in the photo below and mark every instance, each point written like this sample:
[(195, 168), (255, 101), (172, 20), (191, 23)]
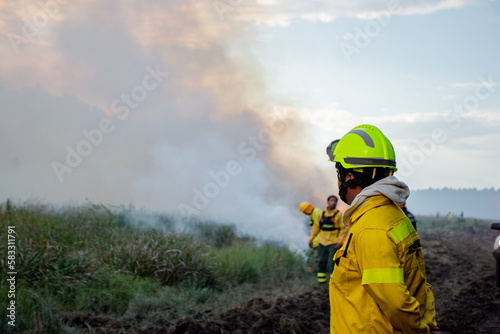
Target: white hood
[(390, 187)]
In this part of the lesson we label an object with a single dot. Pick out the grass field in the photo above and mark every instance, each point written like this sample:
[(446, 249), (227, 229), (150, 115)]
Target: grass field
[(123, 263), (452, 224)]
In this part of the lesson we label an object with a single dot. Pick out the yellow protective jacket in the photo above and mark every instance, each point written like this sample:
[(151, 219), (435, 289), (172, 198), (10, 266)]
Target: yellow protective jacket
[(379, 285), (315, 214), (328, 237)]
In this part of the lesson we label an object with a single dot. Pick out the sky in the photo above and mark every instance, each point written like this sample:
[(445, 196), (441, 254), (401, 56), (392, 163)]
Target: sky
[(223, 108)]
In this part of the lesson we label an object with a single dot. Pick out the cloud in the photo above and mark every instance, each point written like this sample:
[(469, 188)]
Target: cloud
[(283, 13), (473, 84)]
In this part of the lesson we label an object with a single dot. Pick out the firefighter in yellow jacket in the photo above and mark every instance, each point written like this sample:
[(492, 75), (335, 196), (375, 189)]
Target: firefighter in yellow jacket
[(379, 284), (329, 231), (313, 213)]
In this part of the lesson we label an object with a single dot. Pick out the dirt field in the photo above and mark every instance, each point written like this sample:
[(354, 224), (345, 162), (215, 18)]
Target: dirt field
[(461, 269)]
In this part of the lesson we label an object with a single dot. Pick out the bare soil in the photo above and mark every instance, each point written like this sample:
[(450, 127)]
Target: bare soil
[(460, 268)]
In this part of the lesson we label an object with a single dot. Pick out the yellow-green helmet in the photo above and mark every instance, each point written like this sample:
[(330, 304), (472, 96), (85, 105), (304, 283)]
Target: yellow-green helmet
[(363, 146)]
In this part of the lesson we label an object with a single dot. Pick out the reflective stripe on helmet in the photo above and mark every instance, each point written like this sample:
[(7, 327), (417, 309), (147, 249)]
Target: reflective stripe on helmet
[(366, 137), (370, 161)]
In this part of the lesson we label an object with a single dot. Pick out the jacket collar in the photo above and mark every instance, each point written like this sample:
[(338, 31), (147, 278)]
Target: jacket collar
[(389, 187), (371, 203)]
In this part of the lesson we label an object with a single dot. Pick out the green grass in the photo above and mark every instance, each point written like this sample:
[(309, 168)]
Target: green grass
[(121, 262), (245, 264), (452, 224)]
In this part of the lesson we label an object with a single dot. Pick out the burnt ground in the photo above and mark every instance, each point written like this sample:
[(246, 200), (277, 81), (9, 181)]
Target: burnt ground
[(460, 268), (304, 313)]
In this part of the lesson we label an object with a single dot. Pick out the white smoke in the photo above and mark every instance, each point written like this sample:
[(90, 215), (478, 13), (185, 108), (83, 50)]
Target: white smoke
[(156, 104)]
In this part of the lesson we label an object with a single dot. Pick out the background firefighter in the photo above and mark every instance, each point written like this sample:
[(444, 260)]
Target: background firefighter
[(410, 215), (330, 232), (313, 213)]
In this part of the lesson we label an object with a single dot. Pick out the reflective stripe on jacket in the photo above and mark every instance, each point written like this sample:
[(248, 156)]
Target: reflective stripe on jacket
[(329, 237), (379, 285)]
